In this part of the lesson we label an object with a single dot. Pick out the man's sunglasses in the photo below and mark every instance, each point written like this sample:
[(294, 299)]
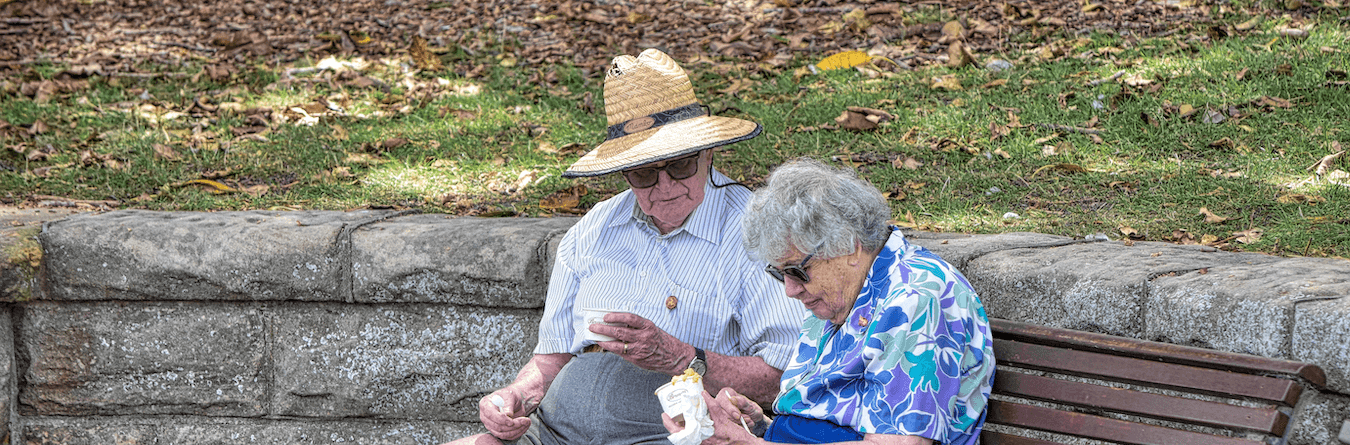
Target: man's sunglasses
[(797, 272), (678, 169)]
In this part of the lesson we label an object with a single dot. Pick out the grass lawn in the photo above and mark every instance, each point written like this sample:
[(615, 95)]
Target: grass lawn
[(1226, 139)]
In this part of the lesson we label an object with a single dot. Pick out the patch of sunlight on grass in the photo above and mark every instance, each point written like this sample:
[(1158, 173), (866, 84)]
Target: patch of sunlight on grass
[(421, 180)]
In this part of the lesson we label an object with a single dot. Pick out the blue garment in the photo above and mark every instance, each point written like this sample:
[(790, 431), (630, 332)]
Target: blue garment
[(914, 358), (725, 303), (789, 428)]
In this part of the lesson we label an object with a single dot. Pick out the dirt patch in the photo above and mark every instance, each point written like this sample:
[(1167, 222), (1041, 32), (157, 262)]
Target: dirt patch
[(113, 37)]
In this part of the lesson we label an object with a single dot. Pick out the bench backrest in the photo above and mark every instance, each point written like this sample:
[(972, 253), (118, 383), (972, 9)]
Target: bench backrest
[(1053, 385)]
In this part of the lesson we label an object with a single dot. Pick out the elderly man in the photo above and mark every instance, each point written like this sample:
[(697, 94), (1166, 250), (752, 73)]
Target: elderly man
[(667, 256)]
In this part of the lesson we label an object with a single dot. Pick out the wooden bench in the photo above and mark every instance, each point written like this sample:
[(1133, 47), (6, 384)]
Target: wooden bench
[(1060, 386)]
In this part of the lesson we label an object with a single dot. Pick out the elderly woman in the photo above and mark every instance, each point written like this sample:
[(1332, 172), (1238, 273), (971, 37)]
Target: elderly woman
[(897, 349), (667, 256)]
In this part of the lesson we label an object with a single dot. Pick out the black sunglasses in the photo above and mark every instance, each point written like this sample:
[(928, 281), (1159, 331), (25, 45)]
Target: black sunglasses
[(797, 272), (681, 168)]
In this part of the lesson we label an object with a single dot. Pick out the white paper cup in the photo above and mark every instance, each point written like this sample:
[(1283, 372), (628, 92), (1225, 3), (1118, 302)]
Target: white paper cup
[(595, 316), (678, 399)]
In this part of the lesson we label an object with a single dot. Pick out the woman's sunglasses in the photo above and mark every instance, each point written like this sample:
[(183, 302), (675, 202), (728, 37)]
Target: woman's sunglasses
[(678, 169), (797, 272)]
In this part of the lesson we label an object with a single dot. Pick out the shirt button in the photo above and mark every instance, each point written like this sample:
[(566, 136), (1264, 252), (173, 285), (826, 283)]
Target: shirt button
[(671, 302)]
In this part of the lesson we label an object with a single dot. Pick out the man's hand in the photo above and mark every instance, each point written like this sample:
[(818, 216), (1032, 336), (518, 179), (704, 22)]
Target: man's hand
[(639, 341), (505, 414)]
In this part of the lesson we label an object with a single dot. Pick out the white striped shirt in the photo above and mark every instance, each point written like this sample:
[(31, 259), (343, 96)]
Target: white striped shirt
[(614, 259)]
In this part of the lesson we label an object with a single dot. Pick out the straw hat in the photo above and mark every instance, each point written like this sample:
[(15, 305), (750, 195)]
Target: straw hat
[(654, 116)]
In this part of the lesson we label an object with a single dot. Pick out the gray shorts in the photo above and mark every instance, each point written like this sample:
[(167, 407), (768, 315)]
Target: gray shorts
[(599, 399)]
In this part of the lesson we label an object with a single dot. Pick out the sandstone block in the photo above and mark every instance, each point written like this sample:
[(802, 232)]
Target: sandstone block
[(314, 433), (142, 358), (421, 362), (144, 255), (206, 431), (1245, 307), (77, 431), (959, 249), (1321, 335), (501, 262), (1098, 287), (1319, 417), (7, 401)]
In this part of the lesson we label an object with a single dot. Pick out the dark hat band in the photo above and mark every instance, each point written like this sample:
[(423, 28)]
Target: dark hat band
[(654, 120)]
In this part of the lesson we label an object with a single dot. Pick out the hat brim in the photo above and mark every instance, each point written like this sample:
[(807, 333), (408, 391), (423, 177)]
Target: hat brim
[(661, 143)]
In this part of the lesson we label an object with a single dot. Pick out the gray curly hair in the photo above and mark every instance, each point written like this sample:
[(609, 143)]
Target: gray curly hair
[(816, 208)]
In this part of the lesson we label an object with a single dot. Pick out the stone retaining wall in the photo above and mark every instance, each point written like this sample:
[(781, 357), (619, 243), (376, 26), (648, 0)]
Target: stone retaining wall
[(378, 327)]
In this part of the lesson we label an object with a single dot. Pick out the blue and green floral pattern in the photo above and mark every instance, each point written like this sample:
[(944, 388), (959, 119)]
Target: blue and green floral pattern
[(915, 357)]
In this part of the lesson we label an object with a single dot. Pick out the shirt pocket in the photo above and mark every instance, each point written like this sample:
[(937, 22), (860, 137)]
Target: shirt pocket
[(700, 319)]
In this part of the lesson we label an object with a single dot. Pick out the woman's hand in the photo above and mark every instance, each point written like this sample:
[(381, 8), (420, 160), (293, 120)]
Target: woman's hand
[(729, 422), (505, 414), (747, 409), (639, 341)]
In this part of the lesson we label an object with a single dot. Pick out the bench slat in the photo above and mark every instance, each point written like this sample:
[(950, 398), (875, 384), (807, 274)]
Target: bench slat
[(1186, 355), (1097, 427), (994, 438), (1133, 370), (1157, 406)]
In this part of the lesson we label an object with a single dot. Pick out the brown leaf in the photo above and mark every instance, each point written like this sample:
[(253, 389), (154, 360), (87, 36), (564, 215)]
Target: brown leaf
[(1210, 217), (165, 152), (1130, 232), (393, 143), (906, 162), (1272, 101), (565, 200), (1320, 167), (952, 31), (997, 131), (1249, 236), (1298, 198), (861, 118), (422, 55), (1067, 168), (38, 127), (958, 55), (948, 82)]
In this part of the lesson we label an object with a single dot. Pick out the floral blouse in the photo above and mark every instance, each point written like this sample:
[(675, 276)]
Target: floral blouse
[(915, 358)]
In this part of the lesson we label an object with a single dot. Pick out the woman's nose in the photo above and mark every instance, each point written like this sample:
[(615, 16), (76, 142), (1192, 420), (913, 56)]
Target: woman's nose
[(792, 287)]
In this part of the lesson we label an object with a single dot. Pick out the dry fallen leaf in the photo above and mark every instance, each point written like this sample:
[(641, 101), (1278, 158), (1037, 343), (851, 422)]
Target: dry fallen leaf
[(1298, 198), (1210, 217), (565, 200), (841, 60), (1249, 236), (948, 82), (861, 118), (906, 162), (958, 55), (1068, 168), (165, 152), (211, 186), (1320, 167)]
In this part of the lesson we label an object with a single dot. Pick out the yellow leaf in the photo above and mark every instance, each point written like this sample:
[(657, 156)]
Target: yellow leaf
[(842, 60), (216, 187), (948, 82)]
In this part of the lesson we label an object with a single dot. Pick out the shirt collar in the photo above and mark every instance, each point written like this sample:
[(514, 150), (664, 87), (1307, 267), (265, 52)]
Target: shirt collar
[(877, 285), (705, 222)]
